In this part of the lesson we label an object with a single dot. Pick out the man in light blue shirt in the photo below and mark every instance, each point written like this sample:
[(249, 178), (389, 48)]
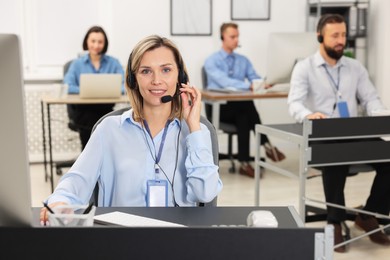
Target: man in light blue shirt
[(326, 85), (229, 70)]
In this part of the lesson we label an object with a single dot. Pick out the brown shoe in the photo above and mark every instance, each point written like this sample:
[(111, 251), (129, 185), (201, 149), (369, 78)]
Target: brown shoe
[(273, 153), (338, 238), (370, 224), (247, 169)]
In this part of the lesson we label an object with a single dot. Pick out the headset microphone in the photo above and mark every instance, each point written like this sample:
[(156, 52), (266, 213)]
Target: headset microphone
[(166, 99)]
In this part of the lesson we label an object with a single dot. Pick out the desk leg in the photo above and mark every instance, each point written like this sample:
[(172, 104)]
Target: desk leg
[(302, 181), (257, 169), (44, 140), (215, 117), (50, 148)]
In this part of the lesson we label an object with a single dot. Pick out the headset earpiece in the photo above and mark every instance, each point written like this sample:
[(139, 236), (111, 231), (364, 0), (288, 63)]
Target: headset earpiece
[(320, 38), (131, 80), (221, 37), (182, 77)]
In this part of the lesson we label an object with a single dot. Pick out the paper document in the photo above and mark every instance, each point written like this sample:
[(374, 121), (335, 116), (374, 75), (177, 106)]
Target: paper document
[(381, 112), (282, 87), (229, 90), (129, 220)]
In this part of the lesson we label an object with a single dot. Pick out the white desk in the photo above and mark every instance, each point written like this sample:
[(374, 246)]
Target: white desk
[(49, 100), (216, 99)]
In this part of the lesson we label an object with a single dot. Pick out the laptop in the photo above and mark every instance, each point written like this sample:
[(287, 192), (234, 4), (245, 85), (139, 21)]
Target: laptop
[(100, 85), (15, 190)]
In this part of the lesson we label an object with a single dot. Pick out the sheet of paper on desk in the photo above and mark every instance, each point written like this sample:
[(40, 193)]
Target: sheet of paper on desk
[(281, 87), (228, 90), (130, 220), (381, 112)]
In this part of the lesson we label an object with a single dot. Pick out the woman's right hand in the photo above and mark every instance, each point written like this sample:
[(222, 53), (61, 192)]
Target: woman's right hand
[(44, 212)]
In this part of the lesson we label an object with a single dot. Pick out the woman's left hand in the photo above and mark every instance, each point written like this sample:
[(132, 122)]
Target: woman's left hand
[(191, 103)]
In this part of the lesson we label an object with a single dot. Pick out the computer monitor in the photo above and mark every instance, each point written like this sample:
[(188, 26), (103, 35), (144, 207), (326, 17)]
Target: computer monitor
[(15, 194), (284, 51)]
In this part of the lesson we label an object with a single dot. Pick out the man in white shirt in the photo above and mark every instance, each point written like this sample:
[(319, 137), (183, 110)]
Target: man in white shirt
[(328, 85)]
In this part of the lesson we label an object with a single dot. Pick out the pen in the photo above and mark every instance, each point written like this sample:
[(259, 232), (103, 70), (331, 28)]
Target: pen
[(88, 209), (47, 207), (52, 212)]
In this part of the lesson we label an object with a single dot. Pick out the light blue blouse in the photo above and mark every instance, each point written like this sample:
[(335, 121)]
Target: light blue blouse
[(119, 158), (83, 65)]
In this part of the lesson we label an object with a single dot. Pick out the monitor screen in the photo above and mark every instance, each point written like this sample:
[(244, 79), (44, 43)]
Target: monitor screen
[(15, 195), (284, 51)]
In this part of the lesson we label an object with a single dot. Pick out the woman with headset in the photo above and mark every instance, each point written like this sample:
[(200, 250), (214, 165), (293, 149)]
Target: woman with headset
[(158, 145)]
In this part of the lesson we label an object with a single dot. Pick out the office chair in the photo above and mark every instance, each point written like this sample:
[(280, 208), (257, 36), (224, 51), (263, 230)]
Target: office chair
[(71, 125), (214, 142), (229, 129)]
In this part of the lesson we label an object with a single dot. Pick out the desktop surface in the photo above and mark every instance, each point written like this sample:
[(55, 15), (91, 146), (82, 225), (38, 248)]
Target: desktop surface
[(287, 217), (227, 239), (240, 96)]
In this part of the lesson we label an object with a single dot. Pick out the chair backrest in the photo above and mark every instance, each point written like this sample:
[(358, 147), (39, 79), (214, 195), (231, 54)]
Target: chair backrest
[(214, 144), (215, 150), (66, 66), (208, 107), (70, 108)]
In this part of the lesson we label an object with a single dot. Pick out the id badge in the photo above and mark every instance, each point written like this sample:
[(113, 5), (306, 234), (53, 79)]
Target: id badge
[(343, 108), (157, 193)]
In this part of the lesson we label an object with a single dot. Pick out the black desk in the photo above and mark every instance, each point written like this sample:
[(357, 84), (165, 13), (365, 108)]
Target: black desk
[(325, 153), (198, 241), (287, 217)]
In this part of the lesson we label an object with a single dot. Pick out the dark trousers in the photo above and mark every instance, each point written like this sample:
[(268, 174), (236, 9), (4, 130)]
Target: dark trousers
[(244, 116), (334, 178), (84, 118)]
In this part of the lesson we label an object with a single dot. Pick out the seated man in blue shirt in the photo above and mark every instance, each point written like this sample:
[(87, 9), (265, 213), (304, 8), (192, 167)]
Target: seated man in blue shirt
[(328, 85), (227, 69)]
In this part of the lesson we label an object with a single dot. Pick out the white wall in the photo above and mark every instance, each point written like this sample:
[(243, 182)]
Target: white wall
[(130, 24), (379, 51), (52, 32)]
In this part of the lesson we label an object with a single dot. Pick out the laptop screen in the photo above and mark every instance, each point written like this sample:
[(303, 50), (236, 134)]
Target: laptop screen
[(15, 194), (100, 85)]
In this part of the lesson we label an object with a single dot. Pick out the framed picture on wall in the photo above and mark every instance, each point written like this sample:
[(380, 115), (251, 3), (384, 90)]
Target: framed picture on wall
[(190, 17), (250, 9)]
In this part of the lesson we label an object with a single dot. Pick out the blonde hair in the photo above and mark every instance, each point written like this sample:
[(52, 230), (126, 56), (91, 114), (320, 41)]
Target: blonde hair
[(148, 44)]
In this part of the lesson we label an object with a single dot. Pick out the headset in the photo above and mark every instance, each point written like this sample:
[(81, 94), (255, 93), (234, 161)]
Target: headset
[(131, 80), (322, 22), (320, 38), (221, 32)]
